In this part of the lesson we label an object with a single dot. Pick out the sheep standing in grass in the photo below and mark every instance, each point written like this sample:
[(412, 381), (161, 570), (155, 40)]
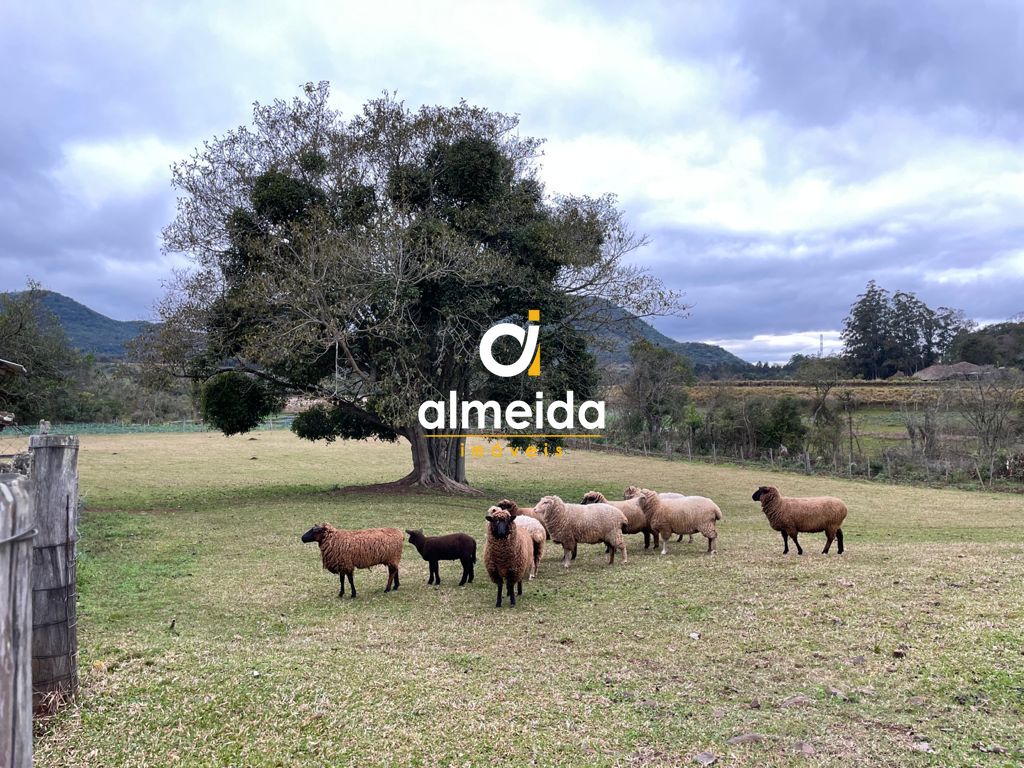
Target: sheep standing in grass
[(636, 521), (634, 491), (343, 551), (537, 533), (689, 514), (572, 524), (508, 553), (812, 514), (454, 546)]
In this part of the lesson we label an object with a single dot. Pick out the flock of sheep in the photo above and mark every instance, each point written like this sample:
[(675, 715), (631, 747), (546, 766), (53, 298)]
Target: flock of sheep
[(516, 535)]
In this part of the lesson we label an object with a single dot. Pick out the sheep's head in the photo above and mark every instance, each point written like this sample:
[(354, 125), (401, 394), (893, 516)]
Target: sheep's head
[(547, 505), (316, 533), (764, 493), (594, 497), (500, 521), (415, 536), (509, 505), (632, 492)]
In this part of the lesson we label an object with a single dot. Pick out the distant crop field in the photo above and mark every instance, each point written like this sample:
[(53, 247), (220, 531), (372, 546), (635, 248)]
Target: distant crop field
[(866, 393), (211, 636)]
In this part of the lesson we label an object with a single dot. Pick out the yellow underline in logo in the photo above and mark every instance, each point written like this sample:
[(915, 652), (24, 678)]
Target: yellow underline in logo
[(512, 435)]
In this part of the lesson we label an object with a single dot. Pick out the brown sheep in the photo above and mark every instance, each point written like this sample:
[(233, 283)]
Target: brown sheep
[(343, 551), (508, 553), (812, 514)]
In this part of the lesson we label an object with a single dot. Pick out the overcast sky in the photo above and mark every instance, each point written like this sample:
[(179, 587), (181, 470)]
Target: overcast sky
[(778, 154)]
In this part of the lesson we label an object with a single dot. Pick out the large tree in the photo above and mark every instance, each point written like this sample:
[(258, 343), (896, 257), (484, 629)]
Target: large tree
[(888, 333), (359, 261), (31, 336)]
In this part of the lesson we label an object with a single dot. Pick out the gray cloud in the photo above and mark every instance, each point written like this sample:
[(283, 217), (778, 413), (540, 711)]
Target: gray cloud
[(780, 154)]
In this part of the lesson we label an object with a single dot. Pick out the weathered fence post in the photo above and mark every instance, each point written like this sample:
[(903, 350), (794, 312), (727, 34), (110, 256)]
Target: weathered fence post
[(55, 508), (15, 622)]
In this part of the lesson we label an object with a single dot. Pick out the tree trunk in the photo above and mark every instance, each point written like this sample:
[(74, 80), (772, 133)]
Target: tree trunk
[(437, 463)]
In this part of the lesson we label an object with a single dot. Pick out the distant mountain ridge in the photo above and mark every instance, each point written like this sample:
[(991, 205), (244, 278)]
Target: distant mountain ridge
[(613, 341), (89, 331), (105, 338)]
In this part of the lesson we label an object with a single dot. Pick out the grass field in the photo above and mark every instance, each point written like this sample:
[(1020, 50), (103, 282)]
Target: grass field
[(907, 650)]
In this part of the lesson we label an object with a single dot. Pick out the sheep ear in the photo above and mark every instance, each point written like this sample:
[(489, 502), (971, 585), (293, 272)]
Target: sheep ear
[(489, 518)]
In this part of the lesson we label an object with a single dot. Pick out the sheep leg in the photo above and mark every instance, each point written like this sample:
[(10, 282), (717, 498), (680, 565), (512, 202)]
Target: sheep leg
[(465, 573), (829, 538), (622, 547), (391, 576), (573, 551), (352, 585), (785, 543), (799, 549), (691, 538), (396, 578), (711, 535), (839, 539), (510, 582), (341, 591), (647, 539), (501, 586), (567, 555), (437, 573), (430, 577), (519, 586), (666, 537)]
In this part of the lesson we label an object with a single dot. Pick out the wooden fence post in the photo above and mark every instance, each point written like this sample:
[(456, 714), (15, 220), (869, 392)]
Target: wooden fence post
[(15, 622), (55, 507)]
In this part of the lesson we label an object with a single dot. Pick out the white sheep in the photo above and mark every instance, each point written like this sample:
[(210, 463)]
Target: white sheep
[(689, 514)]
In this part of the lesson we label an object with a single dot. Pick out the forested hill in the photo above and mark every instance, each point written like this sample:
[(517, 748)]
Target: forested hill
[(96, 334), (88, 330), (612, 345)]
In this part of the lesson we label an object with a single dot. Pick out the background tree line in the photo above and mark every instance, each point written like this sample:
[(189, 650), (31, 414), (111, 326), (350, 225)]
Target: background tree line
[(63, 385)]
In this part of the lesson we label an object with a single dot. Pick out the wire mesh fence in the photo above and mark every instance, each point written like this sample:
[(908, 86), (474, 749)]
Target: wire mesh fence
[(14, 449)]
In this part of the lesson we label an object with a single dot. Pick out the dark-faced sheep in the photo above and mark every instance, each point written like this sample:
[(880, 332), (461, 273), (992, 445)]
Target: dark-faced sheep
[(572, 524), (454, 546), (511, 506), (812, 514), (688, 514), (508, 553), (633, 492), (343, 551)]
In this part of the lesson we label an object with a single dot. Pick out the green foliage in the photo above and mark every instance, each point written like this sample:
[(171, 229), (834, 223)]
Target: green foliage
[(236, 403), (1001, 344), (32, 337), (653, 396), (368, 255), (86, 330), (321, 422), (888, 333)]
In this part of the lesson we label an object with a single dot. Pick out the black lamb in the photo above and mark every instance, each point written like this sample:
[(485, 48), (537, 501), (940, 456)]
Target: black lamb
[(454, 546)]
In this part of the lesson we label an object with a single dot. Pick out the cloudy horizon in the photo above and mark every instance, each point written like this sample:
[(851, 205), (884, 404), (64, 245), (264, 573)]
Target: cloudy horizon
[(779, 155)]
